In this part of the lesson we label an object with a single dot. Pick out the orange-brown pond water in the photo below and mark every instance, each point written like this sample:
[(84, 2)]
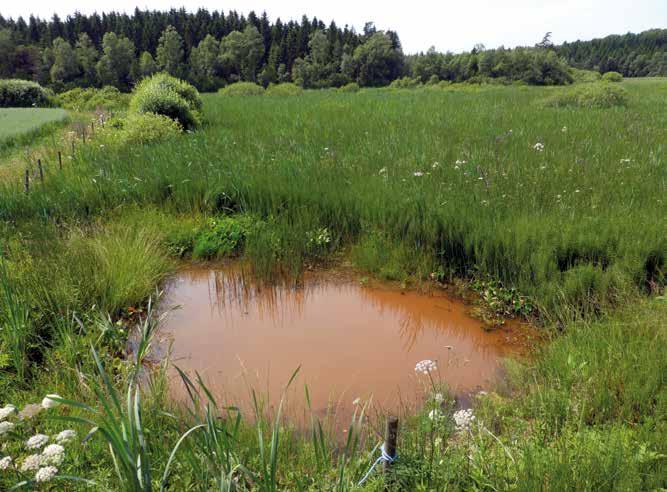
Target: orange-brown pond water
[(350, 341)]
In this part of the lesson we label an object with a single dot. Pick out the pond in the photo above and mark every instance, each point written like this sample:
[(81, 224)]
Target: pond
[(351, 342)]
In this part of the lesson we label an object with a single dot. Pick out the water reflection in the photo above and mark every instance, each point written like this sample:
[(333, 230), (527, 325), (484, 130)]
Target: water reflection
[(350, 341)]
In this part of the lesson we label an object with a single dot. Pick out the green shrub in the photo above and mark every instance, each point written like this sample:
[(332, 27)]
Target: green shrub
[(90, 99), (170, 97), (242, 89), (286, 89), (405, 83), (222, 237), (149, 128), (596, 95), (612, 77), (584, 76), (351, 87), (22, 94), (433, 80)]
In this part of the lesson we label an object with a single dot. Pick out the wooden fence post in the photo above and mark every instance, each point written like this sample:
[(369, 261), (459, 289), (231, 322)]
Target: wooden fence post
[(27, 181), (390, 437), (60, 160), (41, 171)]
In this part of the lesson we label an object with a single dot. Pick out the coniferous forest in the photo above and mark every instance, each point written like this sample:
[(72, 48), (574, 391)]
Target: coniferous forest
[(213, 49)]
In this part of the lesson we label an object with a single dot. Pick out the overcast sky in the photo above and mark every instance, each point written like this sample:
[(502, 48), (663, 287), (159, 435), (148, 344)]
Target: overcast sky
[(454, 25)]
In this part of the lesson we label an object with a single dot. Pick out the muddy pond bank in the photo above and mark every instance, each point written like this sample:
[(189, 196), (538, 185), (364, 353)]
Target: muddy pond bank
[(353, 343)]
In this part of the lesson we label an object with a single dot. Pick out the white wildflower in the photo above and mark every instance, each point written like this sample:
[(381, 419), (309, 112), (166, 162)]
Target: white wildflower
[(435, 414), (53, 454), (463, 419), (625, 161), (31, 463), (6, 411), (564, 129), (460, 162), (356, 401), (45, 474), (5, 463), (382, 171), (426, 366), (539, 146), (48, 401), (6, 427), (435, 165), (37, 441), (66, 436), (438, 398), (418, 174)]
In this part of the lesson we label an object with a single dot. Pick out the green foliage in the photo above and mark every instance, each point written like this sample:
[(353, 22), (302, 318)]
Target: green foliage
[(597, 95), (405, 83), (169, 52), (146, 128), (584, 76), (612, 77), (242, 89), (22, 94), (90, 99), (350, 87), (285, 89), (222, 237), (168, 96)]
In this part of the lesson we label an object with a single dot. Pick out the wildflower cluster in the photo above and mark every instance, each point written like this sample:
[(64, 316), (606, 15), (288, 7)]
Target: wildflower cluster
[(426, 366), (43, 464), (539, 147), (463, 419)]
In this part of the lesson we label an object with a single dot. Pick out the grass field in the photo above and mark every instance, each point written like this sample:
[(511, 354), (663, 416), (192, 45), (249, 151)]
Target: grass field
[(564, 205), (19, 125)]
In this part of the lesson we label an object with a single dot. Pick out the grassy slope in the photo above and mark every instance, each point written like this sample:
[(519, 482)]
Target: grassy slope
[(592, 404), (20, 125)]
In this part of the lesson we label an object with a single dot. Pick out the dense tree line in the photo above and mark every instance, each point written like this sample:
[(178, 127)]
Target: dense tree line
[(212, 49), (633, 55)]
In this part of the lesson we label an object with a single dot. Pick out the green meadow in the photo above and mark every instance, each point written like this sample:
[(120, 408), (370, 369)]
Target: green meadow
[(20, 125), (562, 206)]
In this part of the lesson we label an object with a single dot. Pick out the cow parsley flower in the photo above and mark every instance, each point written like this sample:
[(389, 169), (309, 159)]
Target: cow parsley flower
[(460, 162), (6, 427), (66, 436), (49, 402), (539, 147), (37, 441), (435, 165), (45, 474), (426, 366), (435, 414), (6, 411), (438, 398), (53, 454), (463, 419), (418, 174), (31, 463), (5, 463)]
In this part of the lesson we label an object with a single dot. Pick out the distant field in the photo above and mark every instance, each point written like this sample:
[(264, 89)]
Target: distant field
[(19, 125)]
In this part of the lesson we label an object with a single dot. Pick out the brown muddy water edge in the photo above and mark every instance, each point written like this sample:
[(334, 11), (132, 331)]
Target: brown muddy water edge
[(353, 342)]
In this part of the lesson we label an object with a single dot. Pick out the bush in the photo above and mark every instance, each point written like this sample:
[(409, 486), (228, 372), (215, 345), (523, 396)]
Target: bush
[(22, 94), (148, 128), (170, 97), (286, 89), (222, 237), (405, 83), (598, 95), (584, 76), (90, 99), (612, 77), (242, 89), (351, 87)]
